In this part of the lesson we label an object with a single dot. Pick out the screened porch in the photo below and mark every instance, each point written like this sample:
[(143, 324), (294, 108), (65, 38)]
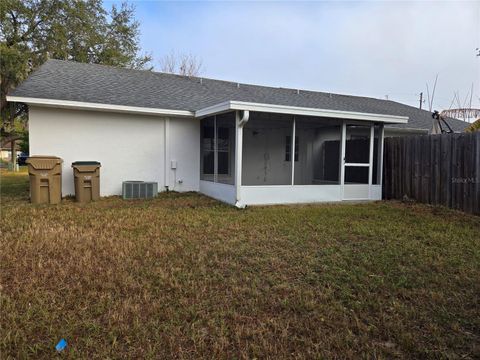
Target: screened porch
[(279, 158)]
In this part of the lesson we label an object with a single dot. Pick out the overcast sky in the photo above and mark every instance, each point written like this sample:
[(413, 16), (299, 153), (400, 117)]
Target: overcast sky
[(373, 49)]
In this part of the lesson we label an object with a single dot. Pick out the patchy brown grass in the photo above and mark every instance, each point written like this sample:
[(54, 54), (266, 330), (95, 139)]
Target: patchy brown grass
[(184, 276)]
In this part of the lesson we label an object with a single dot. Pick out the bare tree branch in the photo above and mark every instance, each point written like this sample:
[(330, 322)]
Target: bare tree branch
[(433, 92), (168, 63), (181, 64)]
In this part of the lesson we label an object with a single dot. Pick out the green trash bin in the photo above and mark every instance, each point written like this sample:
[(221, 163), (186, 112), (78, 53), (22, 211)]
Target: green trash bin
[(87, 180), (45, 174)]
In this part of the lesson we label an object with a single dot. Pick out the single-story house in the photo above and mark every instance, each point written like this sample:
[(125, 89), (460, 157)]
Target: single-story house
[(6, 150), (239, 143)]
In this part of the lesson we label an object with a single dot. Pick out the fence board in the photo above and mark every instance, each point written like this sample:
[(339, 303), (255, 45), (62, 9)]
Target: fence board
[(476, 195), (435, 169)]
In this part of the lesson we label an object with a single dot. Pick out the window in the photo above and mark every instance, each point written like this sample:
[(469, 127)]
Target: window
[(288, 148)]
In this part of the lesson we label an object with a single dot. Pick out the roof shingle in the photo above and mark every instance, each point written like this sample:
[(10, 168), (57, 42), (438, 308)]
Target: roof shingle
[(66, 80)]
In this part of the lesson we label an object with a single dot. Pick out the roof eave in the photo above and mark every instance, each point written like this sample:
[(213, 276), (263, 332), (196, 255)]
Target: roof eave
[(294, 110), (212, 110), (80, 105)]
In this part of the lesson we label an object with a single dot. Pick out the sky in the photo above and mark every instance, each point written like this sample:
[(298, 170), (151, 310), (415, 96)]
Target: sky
[(376, 49)]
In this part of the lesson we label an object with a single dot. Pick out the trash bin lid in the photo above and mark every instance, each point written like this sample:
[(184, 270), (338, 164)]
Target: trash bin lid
[(43, 162), (86, 166), (86, 163)]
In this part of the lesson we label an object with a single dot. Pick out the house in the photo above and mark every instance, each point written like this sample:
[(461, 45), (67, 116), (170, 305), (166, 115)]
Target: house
[(6, 151), (242, 144)]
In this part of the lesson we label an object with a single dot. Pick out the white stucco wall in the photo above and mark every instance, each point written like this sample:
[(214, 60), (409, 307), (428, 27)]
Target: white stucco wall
[(184, 148), (129, 146), (5, 154)]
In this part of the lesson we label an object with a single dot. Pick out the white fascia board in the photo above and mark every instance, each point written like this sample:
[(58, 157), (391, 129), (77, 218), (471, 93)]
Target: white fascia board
[(214, 110), (393, 129), (295, 110), (80, 105)]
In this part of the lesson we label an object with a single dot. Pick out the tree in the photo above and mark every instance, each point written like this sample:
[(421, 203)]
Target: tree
[(31, 31), (24, 142), (182, 64)]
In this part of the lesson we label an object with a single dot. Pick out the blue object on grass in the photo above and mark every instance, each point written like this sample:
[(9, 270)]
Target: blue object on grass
[(62, 344)]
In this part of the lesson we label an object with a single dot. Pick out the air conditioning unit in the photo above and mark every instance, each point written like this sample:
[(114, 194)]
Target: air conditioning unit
[(139, 190)]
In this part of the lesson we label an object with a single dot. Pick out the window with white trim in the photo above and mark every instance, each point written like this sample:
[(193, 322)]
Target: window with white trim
[(288, 148)]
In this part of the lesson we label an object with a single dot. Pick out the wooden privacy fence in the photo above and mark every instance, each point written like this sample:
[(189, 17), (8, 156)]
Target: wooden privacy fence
[(434, 169)]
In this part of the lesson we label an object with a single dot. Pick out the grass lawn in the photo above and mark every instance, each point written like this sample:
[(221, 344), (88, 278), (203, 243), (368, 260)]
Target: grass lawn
[(187, 277)]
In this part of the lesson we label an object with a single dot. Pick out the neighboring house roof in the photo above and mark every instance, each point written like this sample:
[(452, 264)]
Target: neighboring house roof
[(7, 146), (91, 83)]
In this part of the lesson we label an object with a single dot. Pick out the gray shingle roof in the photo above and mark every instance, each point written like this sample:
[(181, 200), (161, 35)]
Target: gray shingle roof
[(66, 80)]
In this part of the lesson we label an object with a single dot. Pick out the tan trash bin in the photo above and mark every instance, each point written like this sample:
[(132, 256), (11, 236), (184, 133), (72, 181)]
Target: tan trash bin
[(87, 180), (45, 174)]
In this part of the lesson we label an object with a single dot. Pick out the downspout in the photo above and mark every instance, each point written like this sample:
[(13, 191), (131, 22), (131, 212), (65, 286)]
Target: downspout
[(240, 123), (166, 154), (244, 119)]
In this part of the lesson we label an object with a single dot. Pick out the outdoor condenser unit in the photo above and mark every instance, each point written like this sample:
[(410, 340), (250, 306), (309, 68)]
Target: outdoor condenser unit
[(139, 190)]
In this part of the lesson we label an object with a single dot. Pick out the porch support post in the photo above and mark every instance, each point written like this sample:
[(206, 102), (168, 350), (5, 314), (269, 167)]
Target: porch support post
[(240, 121), (292, 151), (370, 160), (343, 140), (381, 137)]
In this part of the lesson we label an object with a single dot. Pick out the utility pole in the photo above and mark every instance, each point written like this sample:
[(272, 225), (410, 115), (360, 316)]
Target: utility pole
[(421, 100)]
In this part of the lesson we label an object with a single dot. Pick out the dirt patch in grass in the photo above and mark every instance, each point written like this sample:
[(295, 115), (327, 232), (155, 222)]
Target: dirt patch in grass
[(184, 276)]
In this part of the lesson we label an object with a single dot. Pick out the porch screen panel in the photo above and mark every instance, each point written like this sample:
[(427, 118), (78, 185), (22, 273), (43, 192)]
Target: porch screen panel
[(319, 151), (267, 150), (217, 161), (225, 132), (207, 149)]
